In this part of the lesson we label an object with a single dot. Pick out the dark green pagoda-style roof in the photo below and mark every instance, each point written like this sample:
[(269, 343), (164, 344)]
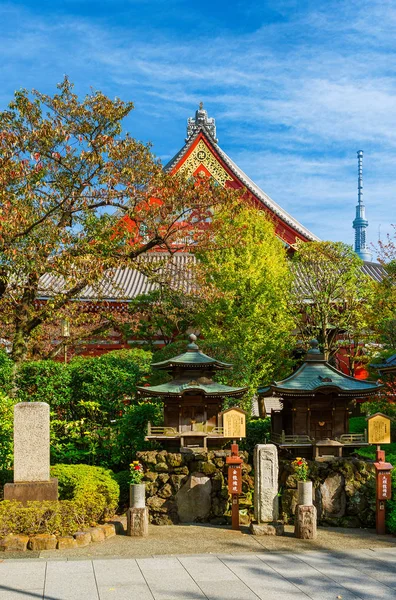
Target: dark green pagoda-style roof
[(184, 381), (316, 375), (178, 388), (192, 358), (388, 365)]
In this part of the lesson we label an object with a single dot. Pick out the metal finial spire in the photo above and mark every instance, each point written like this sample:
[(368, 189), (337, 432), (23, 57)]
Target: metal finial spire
[(201, 122), (360, 223)]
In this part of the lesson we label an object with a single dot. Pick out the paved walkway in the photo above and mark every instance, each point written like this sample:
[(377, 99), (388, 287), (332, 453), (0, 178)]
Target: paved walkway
[(366, 574), (340, 564)]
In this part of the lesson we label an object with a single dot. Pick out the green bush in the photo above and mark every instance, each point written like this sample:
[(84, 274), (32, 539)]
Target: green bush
[(44, 381), (88, 399), (357, 424), (257, 431), (6, 372), (92, 488), (122, 478), (6, 431), (87, 494), (133, 429)]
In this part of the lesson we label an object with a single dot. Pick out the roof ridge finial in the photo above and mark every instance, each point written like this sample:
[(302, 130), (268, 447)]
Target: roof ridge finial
[(201, 122), (192, 346)]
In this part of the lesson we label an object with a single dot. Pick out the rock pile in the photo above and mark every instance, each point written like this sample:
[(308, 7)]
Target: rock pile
[(344, 492), (191, 487)]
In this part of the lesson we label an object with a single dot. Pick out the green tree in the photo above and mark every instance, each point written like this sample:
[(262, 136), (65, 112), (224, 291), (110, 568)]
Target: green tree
[(333, 298), (77, 199), (244, 305)]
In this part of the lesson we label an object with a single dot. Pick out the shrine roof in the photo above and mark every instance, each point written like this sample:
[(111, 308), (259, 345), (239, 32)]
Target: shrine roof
[(238, 174), (316, 375), (390, 363), (178, 388), (193, 357)]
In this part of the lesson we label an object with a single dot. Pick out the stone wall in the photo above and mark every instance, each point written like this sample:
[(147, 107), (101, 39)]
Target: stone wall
[(188, 487), (344, 492)]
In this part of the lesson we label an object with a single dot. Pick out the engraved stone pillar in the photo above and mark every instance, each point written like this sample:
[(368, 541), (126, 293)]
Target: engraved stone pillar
[(31, 455), (266, 502), (305, 522), (137, 522)]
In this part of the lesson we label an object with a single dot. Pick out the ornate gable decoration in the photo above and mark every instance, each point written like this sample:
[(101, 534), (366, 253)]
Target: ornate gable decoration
[(202, 156), (199, 122)]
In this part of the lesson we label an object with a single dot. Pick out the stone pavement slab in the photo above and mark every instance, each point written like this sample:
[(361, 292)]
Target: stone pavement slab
[(312, 575)]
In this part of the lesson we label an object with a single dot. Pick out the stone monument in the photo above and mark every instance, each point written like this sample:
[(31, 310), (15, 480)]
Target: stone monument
[(305, 517), (266, 501), (31, 455)]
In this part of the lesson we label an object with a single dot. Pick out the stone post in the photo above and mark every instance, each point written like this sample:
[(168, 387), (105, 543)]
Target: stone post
[(266, 501), (138, 513), (305, 516), (31, 455)]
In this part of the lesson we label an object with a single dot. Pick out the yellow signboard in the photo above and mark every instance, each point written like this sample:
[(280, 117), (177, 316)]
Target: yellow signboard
[(234, 423), (379, 429)]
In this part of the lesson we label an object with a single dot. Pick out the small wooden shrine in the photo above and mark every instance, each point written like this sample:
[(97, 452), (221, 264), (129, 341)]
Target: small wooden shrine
[(193, 416), (315, 407)]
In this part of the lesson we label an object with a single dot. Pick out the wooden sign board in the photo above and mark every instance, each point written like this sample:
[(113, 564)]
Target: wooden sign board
[(234, 423), (379, 429), (384, 486), (235, 479)]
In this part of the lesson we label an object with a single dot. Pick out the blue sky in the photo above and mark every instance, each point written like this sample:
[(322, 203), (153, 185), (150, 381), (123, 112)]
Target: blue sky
[(296, 87)]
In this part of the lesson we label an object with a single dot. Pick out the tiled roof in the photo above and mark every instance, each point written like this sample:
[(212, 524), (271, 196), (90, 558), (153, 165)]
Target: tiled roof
[(317, 375), (246, 181), (122, 285), (127, 283), (390, 363), (191, 359), (177, 388)]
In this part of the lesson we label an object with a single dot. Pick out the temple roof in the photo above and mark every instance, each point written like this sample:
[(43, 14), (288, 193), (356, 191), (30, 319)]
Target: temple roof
[(317, 375), (388, 365), (192, 358), (201, 132), (179, 387), (125, 284)]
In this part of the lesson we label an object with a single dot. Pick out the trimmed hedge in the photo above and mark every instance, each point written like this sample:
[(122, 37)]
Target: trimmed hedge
[(87, 494)]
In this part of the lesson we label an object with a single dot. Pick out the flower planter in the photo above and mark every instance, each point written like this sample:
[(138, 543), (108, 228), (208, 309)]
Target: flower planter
[(137, 495), (304, 493)]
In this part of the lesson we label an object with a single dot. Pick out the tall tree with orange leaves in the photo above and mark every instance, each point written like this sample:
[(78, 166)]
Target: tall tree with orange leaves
[(79, 198)]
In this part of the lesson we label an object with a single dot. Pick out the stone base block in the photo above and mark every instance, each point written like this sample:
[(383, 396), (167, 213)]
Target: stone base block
[(66, 542), (83, 538), (108, 530), (31, 491), (97, 534), (273, 528), (305, 522), (14, 543), (42, 541), (137, 522)]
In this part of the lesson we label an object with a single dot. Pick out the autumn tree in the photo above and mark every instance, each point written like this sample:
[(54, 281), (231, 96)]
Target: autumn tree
[(78, 198), (333, 298)]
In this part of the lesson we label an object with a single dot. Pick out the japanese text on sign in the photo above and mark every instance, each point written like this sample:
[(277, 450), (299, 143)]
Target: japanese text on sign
[(234, 424), (384, 488), (379, 429), (235, 479)]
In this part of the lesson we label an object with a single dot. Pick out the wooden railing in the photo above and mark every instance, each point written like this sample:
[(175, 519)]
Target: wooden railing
[(353, 438), (282, 438), (202, 427)]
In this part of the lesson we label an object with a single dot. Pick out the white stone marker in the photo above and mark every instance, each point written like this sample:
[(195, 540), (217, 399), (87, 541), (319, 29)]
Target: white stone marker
[(266, 470), (31, 442)]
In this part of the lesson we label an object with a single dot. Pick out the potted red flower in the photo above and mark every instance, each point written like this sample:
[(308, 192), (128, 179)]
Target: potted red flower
[(137, 489), (304, 486)]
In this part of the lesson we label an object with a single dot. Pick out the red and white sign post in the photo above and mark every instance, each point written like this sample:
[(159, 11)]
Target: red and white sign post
[(234, 483), (383, 488)]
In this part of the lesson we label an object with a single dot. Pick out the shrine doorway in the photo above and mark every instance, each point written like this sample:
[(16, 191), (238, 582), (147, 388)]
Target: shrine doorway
[(321, 424)]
